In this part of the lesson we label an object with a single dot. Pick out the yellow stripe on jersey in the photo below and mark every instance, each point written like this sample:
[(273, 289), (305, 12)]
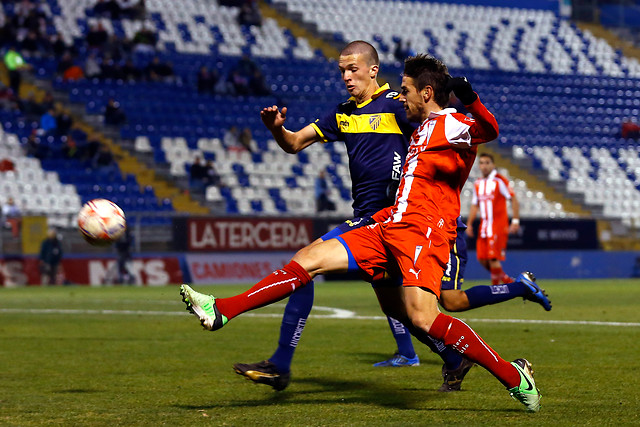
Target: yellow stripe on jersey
[(319, 132), (368, 123)]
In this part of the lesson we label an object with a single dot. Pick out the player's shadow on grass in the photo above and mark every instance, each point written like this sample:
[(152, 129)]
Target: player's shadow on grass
[(336, 391), (379, 357)]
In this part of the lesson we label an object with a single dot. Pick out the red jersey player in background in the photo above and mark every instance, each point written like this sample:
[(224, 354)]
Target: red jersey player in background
[(410, 240), (490, 195)]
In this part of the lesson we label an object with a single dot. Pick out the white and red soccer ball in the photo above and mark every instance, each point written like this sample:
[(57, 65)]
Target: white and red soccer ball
[(101, 221)]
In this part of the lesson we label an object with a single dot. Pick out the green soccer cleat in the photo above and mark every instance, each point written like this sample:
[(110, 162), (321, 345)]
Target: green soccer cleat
[(526, 393), (204, 307)]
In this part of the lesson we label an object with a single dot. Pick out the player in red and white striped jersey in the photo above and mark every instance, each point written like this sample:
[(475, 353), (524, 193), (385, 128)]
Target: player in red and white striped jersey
[(412, 243), (490, 196)]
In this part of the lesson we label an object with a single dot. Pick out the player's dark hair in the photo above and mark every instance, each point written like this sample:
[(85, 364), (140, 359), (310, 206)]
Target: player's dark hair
[(490, 156), (426, 70), (361, 47)]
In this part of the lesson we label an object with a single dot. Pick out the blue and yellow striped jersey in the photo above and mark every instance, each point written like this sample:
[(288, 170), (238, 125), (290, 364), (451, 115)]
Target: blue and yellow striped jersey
[(376, 134)]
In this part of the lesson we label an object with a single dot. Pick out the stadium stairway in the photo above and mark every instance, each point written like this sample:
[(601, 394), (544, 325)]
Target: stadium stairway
[(128, 164), (287, 20), (146, 176)]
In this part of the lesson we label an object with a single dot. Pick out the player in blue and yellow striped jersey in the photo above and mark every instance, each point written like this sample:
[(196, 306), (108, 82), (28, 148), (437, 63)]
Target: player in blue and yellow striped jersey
[(376, 132)]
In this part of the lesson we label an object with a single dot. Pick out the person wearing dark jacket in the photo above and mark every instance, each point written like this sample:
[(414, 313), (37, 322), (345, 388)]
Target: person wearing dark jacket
[(50, 257)]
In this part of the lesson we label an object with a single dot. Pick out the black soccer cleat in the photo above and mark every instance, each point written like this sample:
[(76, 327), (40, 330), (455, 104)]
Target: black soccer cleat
[(263, 372), (453, 378)]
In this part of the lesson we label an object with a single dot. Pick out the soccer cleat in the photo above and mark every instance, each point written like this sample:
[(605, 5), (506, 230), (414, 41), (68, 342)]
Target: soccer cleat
[(526, 393), (397, 361), (263, 372), (453, 378), (534, 292), (204, 307)]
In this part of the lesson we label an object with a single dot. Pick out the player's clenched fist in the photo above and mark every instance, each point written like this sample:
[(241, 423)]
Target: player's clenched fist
[(272, 117)]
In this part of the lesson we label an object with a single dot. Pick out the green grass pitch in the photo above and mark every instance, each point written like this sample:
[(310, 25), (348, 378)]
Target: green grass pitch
[(132, 356)]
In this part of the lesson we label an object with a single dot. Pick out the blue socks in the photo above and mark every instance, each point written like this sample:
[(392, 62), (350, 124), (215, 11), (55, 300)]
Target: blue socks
[(451, 358), (293, 321), (402, 337), (484, 295)]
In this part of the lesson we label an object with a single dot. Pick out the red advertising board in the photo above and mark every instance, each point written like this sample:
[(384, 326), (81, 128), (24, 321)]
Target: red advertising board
[(220, 268), (226, 234), (149, 271)]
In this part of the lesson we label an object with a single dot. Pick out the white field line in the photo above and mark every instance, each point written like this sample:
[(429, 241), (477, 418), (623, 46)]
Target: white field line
[(334, 313)]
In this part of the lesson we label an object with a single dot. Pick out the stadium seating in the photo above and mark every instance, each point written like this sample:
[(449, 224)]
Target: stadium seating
[(551, 86)]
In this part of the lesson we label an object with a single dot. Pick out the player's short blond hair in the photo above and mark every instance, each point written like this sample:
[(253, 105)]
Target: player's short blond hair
[(361, 47)]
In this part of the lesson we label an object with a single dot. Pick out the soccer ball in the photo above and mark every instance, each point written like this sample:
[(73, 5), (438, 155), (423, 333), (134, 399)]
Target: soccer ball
[(101, 222)]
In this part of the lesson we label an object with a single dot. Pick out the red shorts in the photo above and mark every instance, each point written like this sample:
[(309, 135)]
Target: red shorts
[(493, 247), (403, 250)]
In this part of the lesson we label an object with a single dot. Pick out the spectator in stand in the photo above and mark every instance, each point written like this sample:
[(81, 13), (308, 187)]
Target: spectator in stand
[(48, 122), (110, 68), (231, 139), (159, 71), (97, 36), (12, 216), (207, 80), (130, 72), (33, 147), (322, 194), (15, 64), (145, 40), (113, 114), (103, 158), (30, 107), (258, 86), (249, 14), (91, 147), (133, 9), (32, 45), (70, 149), (47, 102), (107, 9), (65, 63), (63, 120), (197, 175), (58, 46), (117, 48), (50, 257), (73, 73), (92, 66), (212, 177), (247, 141), (239, 83)]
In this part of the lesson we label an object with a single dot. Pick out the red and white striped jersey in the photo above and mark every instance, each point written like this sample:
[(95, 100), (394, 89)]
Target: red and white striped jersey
[(437, 166), (441, 153), (490, 194)]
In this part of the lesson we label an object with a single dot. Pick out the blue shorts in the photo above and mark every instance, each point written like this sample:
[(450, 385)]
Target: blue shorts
[(350, 224), (453, 276)]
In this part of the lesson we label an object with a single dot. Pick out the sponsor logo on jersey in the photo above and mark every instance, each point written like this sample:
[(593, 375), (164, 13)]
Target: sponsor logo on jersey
[(411, 270)]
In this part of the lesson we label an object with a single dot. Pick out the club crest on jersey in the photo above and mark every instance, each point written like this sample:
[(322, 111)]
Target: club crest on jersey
[(374, 121)]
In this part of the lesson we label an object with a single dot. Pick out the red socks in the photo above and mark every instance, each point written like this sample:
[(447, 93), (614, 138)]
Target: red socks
[(462, 338), (498, 275), (276, 286)]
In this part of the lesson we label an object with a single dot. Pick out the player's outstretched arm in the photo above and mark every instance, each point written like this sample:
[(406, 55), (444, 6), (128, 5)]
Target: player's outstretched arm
[(485, 128), (515, 221), (291, 142)]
